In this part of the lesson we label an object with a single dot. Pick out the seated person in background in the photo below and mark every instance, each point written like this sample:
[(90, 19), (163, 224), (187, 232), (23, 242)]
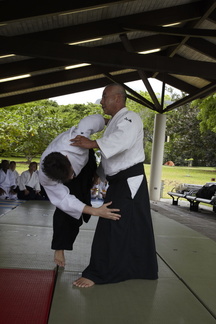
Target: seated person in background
[(98, 191), (12, 167), (102, 189), (29, 186), (42, 192), (94, 191), (7, 182)]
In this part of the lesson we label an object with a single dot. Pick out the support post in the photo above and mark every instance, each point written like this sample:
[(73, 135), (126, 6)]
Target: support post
[(157, 156)]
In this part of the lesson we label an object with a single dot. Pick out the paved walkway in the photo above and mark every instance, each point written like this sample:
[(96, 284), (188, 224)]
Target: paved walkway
[(203, 221)]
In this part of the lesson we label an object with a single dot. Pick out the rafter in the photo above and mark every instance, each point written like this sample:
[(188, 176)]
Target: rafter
[(178, 31), (141, 73), (25, 9), (44, 53), (112, 26), (203, 46), (203, 92), (210, 7), (141, 99), (113, 58), (61, 89)]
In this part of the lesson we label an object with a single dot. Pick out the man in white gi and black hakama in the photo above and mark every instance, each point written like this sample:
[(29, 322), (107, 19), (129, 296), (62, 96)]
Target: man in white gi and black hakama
[(7, 182), (66, 174), (126, 249)]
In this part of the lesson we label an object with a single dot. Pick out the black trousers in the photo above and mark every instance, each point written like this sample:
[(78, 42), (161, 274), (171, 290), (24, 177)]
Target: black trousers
[(65, 227), (31, 196), (124, 249)]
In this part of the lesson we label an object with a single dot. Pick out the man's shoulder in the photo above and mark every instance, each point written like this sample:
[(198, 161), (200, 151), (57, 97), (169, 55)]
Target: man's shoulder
[(131, 112), (25, 172), (132, 116)]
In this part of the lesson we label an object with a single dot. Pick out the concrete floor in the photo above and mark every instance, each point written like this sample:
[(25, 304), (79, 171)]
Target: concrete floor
[(185, 292)]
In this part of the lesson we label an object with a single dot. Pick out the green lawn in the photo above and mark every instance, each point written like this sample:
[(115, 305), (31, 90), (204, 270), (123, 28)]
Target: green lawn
[(171, 176)]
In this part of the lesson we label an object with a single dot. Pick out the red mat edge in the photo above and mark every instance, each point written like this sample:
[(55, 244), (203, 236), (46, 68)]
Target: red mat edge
[(49, 296)]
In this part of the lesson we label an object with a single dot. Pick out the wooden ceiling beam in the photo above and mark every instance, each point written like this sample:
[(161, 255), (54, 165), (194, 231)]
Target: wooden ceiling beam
[(202, 92), (140, 102), (141, 99), (174, 31), (212, 17), (128, 46), (203, 46), (81, 73), (34, 65), (46, 80), (103, 57), (177, 83), (25, 9), (30, 66), (207, 9), (60, 90), (102, 28)]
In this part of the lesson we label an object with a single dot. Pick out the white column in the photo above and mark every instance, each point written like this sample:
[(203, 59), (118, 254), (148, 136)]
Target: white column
[(157, 156)]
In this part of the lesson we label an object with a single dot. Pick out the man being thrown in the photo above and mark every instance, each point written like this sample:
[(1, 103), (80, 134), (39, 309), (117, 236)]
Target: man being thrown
[(66, 174), (125, 249)]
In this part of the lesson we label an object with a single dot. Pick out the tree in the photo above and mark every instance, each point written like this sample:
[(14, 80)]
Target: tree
[(72, 114), (207, 113), (147, 115), (28, 129), (186, 140)]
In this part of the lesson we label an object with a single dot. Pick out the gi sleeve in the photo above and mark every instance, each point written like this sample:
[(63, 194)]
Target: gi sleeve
[(90, 125), (59, 195), (37, 186), (12, 179)]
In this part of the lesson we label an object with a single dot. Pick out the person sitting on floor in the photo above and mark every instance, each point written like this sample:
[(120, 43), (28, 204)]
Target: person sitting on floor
[(102, 189), (12, 167), (7, 182), (29, 186), (94, 191)]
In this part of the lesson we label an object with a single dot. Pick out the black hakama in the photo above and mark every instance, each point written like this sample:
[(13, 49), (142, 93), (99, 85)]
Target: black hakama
[(124, 249), (65, 227)]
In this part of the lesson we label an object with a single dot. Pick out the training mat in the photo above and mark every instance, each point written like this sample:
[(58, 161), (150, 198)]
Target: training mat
[(163, 301), (7, 205), (25, 295)]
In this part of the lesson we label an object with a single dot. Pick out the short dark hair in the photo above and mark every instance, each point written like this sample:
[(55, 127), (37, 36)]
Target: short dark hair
[(57, 167), (33, 163), (5, 164)]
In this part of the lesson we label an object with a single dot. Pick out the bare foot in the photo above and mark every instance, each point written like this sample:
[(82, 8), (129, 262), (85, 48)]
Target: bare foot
[(59, 258), (83, 283)]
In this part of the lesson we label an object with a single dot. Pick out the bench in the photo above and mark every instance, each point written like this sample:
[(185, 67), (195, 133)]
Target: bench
[(182, 191), (188, 192)]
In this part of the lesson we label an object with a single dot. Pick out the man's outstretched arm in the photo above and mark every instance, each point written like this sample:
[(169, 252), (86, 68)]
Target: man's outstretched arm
[(83, 142), (103, 211)]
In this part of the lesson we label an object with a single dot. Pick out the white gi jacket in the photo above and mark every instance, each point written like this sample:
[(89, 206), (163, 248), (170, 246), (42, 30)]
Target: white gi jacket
[(16, 176), (122, 146), (7, 181), (58, 193), (30, 180)]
